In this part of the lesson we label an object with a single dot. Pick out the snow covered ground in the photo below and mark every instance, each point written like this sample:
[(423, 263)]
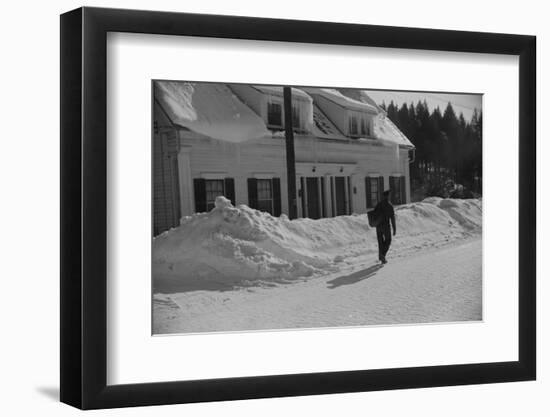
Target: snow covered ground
[(235, 268)]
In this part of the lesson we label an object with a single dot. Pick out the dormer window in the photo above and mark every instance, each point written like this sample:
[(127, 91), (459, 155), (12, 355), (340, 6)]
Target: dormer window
[(275, 115), (365, 127), (296, 123), (358, 125), (353, 129)]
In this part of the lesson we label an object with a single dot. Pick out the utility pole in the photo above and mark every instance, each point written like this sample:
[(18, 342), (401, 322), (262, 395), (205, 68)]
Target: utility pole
[(290, 159)]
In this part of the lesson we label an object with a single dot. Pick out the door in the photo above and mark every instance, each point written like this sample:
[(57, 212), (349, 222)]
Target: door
[(340, 195), (313, 203)]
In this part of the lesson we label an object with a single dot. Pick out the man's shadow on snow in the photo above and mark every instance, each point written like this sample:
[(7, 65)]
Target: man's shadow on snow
[(355, 277)]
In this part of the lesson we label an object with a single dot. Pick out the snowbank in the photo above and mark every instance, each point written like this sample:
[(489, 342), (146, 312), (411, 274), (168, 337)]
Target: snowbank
[(234, 244)]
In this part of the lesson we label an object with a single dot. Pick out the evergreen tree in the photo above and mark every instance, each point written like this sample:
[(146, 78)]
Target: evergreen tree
[(392, 112), (403, 119), (448, 148)]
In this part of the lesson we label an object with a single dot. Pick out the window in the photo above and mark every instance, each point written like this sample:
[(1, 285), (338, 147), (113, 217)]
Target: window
[(296, 118), (353, 125), (214, 188), (374, 191), (359, 124), (265, 195), (206, 191), (397, 188), (274, 114), (365, 127)]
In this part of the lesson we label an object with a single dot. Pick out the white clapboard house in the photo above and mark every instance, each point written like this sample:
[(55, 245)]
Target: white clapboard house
[(215, 139)]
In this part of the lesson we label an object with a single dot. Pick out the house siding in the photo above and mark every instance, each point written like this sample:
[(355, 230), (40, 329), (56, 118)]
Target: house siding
[(266, 157), (166, 184)]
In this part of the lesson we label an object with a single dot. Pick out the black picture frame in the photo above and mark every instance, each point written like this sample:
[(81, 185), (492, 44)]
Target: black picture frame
[(84, 209)]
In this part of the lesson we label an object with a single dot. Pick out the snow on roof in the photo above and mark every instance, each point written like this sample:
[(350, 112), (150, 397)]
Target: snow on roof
[(210, 109), (347, 102), (278, 91), (359, 95), (323, 127), (386, 131), (213, 110)]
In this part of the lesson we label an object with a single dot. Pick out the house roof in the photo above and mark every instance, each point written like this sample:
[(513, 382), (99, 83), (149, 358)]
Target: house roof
[(360, 95), (342, 100), (278, 91), (210, 109), (213, 110), (323, 127), (384, 128)]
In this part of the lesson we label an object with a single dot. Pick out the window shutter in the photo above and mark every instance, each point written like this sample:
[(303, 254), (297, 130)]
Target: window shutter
[(367, 191), (323, 208), (403, 191), (332, 197), (392, 189), (276, 196), (229, 189), (199, 185), (380, 187), (303, 196), (350, 201), (252, 193)]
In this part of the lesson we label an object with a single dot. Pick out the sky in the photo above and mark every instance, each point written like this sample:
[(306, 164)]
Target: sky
[(465, 103)]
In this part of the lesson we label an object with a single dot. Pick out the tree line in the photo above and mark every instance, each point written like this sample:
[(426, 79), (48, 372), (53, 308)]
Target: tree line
[(448, 160)]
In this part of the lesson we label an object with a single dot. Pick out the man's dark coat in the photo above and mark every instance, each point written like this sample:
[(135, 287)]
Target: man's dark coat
[(385, 213)]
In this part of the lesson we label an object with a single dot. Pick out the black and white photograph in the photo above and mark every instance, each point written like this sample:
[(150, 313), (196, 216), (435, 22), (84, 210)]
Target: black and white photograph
[(271, 209), (300, 207)]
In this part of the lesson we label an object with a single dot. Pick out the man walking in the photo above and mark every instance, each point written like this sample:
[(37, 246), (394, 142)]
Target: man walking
[(385, 214)]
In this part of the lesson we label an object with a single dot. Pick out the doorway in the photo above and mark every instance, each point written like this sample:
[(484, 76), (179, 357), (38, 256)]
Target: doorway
[(341, 195), (313, 198)]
